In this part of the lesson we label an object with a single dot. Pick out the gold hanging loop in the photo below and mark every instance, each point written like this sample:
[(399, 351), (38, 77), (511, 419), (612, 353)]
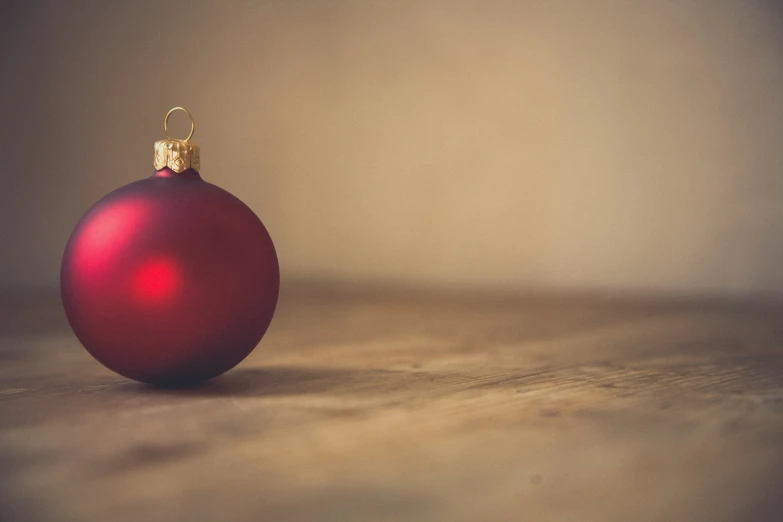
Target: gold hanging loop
[(166, 123)]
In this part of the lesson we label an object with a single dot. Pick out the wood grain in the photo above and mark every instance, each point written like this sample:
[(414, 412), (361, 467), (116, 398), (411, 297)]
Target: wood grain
[(373, 404)]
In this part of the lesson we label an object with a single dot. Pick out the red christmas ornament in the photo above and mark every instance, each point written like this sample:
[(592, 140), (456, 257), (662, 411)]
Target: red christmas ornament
[(170, 280)]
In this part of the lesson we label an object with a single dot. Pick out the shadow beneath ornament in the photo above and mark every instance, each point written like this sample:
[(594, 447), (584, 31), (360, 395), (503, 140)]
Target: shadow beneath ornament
[(282, 381)]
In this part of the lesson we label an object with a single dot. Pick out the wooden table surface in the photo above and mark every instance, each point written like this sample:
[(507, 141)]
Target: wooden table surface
[(380, 405)]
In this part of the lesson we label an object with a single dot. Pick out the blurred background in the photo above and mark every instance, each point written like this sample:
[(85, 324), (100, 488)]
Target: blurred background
[(617, 146)]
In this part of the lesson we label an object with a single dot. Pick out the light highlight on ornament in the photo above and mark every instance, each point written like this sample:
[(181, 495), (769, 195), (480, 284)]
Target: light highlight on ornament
[(106, 235), (157, 280)]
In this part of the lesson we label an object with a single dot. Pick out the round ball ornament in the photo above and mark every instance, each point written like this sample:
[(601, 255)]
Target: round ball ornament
[(170, 280)]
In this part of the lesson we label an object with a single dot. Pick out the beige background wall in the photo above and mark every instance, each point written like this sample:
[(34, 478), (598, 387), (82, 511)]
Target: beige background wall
[(618, 145)]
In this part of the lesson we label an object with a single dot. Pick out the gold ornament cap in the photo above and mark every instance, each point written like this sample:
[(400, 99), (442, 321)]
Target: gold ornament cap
[(178, 155)]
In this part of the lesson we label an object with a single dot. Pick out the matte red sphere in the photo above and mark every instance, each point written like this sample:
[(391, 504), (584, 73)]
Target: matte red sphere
[(170, 280)]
